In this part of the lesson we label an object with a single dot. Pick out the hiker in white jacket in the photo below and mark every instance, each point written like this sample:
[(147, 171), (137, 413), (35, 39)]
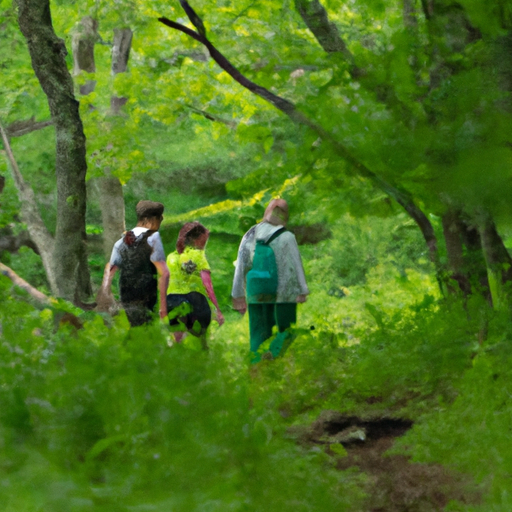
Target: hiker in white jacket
[(291, 289)]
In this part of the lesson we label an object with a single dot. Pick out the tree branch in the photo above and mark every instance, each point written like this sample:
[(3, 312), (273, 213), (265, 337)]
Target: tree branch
[(13, 243), (211, 117), (19, 128), (21, 283), (326, 33), (288, 108), (35, 225)]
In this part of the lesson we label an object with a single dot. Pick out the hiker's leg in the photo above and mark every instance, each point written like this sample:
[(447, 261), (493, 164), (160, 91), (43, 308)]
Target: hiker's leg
[(200, 317), (261, 321), (178, 336), (177, 310), (137, 313), (204, 341), (286, 316)]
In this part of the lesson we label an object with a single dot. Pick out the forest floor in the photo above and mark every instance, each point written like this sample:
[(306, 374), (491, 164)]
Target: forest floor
[(393, 482)]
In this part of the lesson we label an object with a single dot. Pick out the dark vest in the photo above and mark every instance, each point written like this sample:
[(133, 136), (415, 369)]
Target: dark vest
[(137, 280)]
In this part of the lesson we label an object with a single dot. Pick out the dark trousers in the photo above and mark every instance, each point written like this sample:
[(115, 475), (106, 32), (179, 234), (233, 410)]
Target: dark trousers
[(189, 312), (263, 317)]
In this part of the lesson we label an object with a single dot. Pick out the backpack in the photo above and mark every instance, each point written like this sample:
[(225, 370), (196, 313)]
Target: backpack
[(262, 279), (137, 279)]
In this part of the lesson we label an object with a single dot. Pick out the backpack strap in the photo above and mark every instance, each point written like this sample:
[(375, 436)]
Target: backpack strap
[(129, 237), (275, 235)]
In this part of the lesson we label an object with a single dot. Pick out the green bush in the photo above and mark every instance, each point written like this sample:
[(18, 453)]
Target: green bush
[(108, 418)]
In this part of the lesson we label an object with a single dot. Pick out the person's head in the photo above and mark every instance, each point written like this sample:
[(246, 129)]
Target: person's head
[(276, 212), (192, 234), (149, 214)]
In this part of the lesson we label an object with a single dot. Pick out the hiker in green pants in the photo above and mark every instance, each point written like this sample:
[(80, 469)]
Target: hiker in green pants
[(266, 309)]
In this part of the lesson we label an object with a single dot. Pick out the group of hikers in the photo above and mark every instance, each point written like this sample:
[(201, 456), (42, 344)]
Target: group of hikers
[(269, 277)]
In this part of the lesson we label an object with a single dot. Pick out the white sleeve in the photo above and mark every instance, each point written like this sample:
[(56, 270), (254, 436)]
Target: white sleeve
[(243, 264), (155, 242)]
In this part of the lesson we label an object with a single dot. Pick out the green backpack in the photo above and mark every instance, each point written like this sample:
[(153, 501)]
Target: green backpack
[(262, 281)]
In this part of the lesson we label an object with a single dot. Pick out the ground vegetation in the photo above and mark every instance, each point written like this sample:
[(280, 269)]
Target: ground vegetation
[(386, 127)]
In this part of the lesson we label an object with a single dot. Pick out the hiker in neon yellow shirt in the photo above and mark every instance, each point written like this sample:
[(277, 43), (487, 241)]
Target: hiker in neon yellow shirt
[(185, 270), (190, 285)]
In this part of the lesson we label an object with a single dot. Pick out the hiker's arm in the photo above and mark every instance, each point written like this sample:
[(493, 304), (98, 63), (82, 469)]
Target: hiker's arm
[(104, 298), (242, 262), (206, 277), (163, 283), (240, 304), (108, 277)]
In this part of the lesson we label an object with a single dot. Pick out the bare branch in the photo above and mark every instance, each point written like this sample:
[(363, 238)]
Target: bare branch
[(243, 11), (19, 128), (35, 225), (12, 243), (211, 117), (21, 283)]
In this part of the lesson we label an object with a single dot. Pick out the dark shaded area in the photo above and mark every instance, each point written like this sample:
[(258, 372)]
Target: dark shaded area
[(311, 234), (12, 243), (397, 485), (374, 429), (394, 483)]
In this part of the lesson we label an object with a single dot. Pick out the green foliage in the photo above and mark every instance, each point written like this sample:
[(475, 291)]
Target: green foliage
[(111, 418), (471, 434), (116, 419)]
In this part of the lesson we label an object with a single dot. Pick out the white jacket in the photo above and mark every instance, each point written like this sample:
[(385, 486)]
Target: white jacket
[(291, 278)]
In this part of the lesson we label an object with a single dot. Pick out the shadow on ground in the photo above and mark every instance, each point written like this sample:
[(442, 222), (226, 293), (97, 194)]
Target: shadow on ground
[(394, 483)]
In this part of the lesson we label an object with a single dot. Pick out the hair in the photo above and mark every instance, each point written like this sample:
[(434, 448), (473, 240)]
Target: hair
[(149, 210), (189, 233)]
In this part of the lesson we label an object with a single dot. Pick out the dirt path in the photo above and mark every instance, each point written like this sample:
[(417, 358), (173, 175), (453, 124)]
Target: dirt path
[(394, 483)]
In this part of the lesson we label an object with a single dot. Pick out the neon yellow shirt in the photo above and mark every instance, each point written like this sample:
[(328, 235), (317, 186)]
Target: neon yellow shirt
[(185, 271)]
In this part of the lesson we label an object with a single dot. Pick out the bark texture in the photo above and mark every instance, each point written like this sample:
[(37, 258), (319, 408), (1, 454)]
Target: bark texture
[(499, 263), (82, 46), (48, 54), (121, 49), (326, 33), (13, 243), (496, 255), (120, 55), (19, 128), (110, 188), (112, 211)]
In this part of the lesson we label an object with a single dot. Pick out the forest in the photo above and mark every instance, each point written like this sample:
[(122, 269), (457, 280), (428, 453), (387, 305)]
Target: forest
[(386, 126)]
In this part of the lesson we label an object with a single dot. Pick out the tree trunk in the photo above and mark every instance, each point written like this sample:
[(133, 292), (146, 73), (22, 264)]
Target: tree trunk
[(498, 260), (466, 262), (110, 188), (326, 33), (112, 211), (82, 46), (13, 243), (32, 218), (454, 253), (48, 54)]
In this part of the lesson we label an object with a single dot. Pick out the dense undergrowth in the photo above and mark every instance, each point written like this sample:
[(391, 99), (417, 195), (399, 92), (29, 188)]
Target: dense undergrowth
[(107, 418)]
